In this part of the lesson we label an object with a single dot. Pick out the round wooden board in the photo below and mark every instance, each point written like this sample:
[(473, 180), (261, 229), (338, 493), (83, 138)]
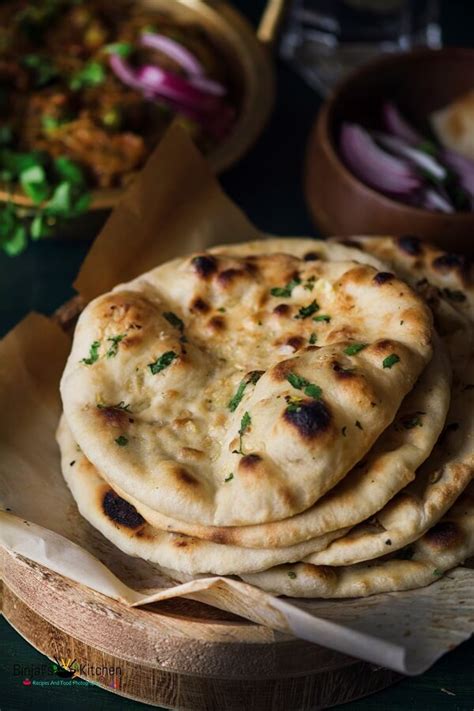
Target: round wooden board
[(179, 654)]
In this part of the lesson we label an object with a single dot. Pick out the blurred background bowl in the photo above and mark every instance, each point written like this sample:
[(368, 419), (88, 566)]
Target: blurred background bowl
[(248, 54), (419, 82)]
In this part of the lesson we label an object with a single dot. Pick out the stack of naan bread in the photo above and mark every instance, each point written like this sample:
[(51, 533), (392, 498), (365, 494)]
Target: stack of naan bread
[(292, 412)]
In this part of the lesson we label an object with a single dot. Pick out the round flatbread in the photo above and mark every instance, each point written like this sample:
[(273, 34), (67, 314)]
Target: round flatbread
[(388, 467), (123, 525), (438, 483), (448, 544), (217, 376)]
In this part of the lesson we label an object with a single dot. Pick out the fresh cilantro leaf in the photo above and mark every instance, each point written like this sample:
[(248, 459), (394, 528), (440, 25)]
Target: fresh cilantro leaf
[(122, 441), (293, 404), (174, 320), (17, 241), (162, 362), (454, 295), (229, 478), (322, 317), (313, 338), (34, 183), (69, 170), (309, 283), (354, 348), (245, 423), (114, 340), (297, 381), (436, 571), (39, 227), (252, 378), (60, 202), (308, 388), (285, 291), (390, 360), (313, 391), (123, 49), (92, 74), (410, 422), (306, 311), (93, 354), (291, 574)]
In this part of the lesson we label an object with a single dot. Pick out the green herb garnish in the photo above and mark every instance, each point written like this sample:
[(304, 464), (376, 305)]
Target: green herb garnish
[(306, 311), (93, 354), (410, 422), (454, 295), (230, 477), (92, 74), (285, 291), (322, 317), (251, 378), (174, 320), (114, 340), (309, 284), (293, 403), (313, 338), (291, 574), (162, 362), (308, 388), (121, 441), (355, 348), (56, 187), (245, 423), (123, 49), (390, 360), (42, 68), (436, 571)]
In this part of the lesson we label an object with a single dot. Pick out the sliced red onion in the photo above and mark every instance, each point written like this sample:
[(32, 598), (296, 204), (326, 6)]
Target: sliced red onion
[(164, 83), (174, 50), (463, 167), (419, 158), (209, 86), (431, 199), (124, 72), (374, 166), (396, 124)]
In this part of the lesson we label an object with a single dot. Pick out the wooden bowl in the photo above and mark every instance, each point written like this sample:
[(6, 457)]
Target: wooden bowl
[(250, 61), (419, 82)]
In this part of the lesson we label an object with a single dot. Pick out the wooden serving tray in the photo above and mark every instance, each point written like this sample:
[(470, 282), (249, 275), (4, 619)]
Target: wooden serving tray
[(179, 653)]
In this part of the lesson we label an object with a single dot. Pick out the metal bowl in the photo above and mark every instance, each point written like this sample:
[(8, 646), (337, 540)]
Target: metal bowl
[(249, 57)]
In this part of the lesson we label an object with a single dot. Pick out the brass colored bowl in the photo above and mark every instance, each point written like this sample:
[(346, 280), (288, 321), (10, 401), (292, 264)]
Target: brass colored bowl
[(250, 61)]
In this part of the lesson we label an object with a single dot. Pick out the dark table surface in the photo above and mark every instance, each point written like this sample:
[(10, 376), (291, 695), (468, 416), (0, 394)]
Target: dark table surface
[(267, 184)]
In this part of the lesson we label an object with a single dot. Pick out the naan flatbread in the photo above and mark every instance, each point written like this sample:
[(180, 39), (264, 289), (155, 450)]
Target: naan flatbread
[(123, 525), (448, 544), (157, 366)]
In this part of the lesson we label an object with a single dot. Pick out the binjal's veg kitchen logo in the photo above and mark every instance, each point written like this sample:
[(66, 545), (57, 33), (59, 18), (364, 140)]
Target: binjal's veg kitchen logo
[(68, 670)]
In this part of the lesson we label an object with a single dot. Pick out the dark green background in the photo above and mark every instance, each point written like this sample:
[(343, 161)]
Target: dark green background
[(267, 185)]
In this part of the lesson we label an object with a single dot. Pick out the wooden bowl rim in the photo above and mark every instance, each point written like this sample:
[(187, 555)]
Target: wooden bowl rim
[(322, 132)]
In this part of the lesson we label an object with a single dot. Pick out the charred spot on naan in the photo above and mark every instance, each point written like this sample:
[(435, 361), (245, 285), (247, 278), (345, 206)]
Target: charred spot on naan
[(342, 333), (216, 324), (309, 420), (250, 463), (383, 277), (282, 310), (198, 305), (411, 245), (120, 511), (311, 257), (280, 371), (294, 342), (204, 265), (112, 416), (444, 535)]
